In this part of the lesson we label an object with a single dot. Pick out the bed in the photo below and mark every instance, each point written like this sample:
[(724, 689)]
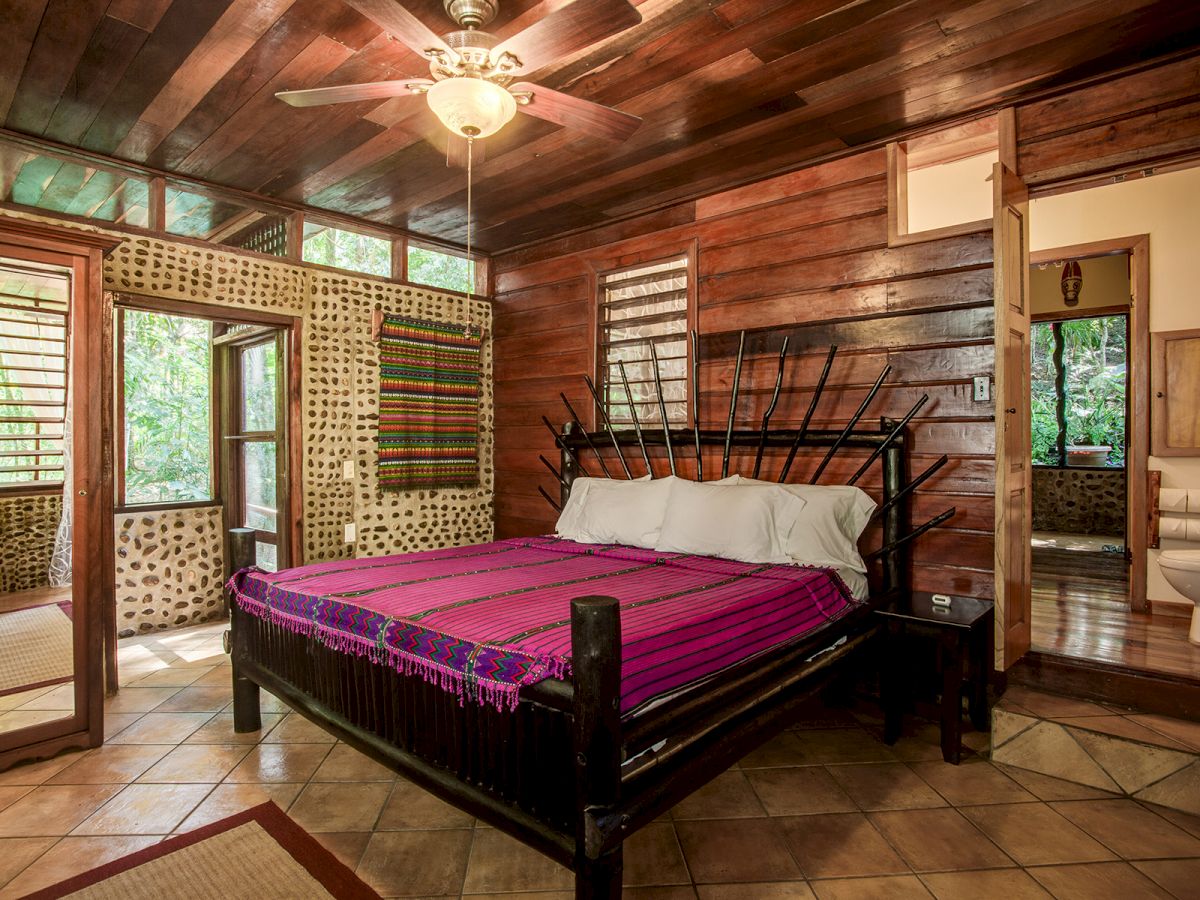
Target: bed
[(569, 693)]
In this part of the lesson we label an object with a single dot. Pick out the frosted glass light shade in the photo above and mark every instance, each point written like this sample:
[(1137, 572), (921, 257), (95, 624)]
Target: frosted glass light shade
[(471, 107)]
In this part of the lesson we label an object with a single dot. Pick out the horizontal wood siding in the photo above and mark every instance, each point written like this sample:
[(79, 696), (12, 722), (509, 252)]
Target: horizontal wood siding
[(803, 255), (1128, 123)]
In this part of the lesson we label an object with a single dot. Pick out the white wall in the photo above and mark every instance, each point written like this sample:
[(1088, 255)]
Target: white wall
[(1167, 207), (950, 193), (1105, 283)]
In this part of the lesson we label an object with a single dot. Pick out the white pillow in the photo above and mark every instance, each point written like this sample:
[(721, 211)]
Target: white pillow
[(833, 519), (748, 523), (568, 520), (622, 512)]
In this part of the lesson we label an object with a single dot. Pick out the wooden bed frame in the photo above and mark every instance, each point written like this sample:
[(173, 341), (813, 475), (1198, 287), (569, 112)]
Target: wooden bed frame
[(563, 772)]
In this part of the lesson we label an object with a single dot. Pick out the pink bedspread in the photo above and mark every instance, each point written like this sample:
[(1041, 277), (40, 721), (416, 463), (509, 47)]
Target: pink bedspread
[(485, 620)]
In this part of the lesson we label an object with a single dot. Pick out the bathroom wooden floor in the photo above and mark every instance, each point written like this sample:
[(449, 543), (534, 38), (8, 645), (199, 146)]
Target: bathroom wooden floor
[(1090, 619)]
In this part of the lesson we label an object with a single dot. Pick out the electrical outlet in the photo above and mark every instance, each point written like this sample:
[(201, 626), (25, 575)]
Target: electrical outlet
[(348, 470), (351, 531), (983, 388)]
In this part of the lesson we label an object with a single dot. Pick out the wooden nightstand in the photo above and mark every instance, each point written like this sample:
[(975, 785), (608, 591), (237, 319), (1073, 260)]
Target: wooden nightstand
[(964, 631)]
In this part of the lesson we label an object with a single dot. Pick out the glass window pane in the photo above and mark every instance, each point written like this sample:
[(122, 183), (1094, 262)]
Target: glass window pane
[(436, 269), (259, 461), (168, 442), (258, 387), (225, 221), (58, 185), (328, 246), (266, 556)]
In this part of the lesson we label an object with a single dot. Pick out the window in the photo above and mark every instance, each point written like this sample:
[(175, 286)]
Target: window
[(34, 308), (224, 220), (438, 269), (165, 372), (53, 182), (941, 182), (637, 307), (329, 246), (1072, 425)]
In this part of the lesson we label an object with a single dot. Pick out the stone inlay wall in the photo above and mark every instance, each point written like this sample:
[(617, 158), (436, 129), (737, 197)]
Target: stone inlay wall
[(169, 569), (1079, 501), (27, 528), (339, 406)]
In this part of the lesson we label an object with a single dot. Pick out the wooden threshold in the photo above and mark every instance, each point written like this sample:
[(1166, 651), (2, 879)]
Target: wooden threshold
[(1151, 692)]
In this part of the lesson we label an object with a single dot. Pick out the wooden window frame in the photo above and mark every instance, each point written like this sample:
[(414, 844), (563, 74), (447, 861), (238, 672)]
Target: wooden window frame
[(38, 486), (604, 266), (897, 182), (294, 326), (481, 287), (303, 220)]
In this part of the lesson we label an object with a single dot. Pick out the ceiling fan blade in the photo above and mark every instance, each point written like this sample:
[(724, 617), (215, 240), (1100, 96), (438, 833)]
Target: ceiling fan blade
[(456, 152), (572, 112), (348, 93), (566, 30), (402, 25)]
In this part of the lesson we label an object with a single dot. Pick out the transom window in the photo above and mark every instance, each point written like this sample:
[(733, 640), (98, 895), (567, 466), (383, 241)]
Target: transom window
[(638, 307), (343, 249), (34, 321), (438, 269)]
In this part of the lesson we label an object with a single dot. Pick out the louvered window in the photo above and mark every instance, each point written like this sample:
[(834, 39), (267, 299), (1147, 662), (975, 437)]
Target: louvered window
[(638, 307), (34, 305)]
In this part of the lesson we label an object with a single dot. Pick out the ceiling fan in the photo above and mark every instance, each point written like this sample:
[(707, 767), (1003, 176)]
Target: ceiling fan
[(473, 88)]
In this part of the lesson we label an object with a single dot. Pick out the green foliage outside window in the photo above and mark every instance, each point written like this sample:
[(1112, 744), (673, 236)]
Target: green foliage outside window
[(167, 408), (347, 250), (1094, 358), (453, 273)]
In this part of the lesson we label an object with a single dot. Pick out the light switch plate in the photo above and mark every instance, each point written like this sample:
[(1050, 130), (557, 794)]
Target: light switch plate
[(351, 531), (348, 470), (983, 388)]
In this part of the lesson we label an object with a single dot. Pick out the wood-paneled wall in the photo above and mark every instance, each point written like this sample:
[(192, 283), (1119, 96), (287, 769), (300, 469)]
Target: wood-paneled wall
[(1123, 124), (805, 255)]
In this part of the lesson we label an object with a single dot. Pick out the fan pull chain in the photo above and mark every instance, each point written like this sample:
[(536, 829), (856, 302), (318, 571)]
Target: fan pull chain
[(470, 267)]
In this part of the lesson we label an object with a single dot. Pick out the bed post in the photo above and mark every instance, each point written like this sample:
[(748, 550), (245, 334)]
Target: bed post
[(596, 675), (246, 711), (894, 576)]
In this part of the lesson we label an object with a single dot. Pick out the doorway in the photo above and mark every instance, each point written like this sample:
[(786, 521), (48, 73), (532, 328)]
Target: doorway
[(1079, 390)]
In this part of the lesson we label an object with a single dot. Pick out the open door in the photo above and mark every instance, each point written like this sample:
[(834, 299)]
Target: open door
[(1014, 483), (255, 484), (56, 525)]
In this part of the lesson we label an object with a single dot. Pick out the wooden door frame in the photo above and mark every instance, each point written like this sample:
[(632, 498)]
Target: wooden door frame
[(228, 393), (1137, 403), (93, 578)]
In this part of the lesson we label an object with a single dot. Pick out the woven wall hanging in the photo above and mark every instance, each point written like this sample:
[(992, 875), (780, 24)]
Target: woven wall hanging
[(428, 404)]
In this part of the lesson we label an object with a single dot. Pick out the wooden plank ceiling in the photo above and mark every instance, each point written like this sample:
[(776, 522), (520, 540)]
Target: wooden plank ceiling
[(730, 90)]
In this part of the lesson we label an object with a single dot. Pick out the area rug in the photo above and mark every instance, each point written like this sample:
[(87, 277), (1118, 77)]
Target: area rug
[(36, 647), (259, 854)]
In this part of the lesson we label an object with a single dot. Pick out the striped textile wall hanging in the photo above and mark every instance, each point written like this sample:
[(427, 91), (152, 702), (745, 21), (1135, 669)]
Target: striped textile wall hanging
[(428, 404)]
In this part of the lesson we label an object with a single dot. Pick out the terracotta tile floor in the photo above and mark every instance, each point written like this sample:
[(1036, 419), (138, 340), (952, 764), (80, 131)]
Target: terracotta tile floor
[(825, 810)]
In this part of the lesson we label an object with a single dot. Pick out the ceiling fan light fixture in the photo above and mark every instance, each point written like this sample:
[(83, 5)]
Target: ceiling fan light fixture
[(471, 107)]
